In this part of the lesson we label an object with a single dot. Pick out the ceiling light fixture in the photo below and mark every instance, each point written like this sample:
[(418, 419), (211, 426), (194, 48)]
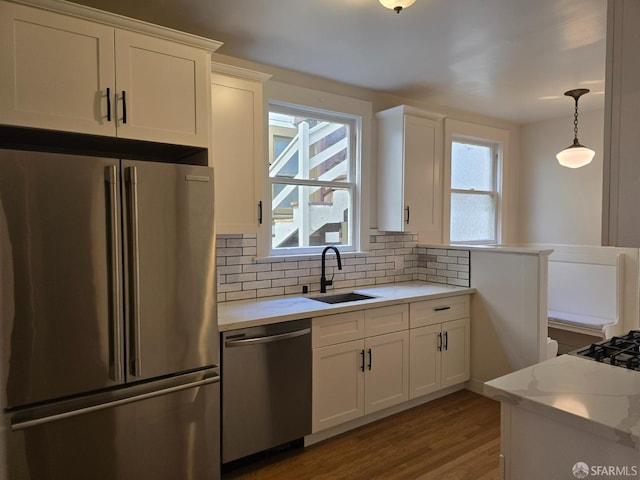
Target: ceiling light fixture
[(397, 5), (576, 155)]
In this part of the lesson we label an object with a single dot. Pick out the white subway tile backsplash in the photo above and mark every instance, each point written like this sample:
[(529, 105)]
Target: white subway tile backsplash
[(241, 277), (257, 285), (256, 267), (245, 295), (270, 275), (392, 258)]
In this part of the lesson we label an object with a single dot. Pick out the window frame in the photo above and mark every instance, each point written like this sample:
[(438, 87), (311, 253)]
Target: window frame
[(505, 179), (495, 149), (353, 182)]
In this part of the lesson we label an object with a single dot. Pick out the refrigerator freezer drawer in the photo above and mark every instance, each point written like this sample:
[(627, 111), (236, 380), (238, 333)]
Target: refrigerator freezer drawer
[(165, 434)]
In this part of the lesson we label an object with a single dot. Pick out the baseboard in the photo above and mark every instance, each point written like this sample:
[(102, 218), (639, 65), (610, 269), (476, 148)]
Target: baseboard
[(359, 422), (475, 386)]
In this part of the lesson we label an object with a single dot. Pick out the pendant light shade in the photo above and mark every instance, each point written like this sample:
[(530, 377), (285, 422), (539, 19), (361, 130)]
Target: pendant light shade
[(576, 155), (397, 5)]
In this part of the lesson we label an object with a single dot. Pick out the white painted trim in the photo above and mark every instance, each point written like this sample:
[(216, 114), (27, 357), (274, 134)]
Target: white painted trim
[(475, 386), (472, 131), (120, 21), (413, 111), (239, 72), (359, 422), (292, 95)]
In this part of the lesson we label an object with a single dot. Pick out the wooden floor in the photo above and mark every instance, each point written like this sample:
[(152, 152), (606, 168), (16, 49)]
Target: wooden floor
[(456, 437)]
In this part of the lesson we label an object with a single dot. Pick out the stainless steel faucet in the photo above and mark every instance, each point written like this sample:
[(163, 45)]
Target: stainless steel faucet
[(323, 279)]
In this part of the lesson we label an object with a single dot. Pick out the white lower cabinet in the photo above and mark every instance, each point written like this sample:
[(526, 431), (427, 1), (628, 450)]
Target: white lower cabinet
[(358, 377), (386, 371), (439, 344), (439, 356), (369, 360)]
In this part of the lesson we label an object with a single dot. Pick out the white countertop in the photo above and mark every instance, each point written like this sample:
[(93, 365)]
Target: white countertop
[(596, 397), (251, 313), (502, 248)]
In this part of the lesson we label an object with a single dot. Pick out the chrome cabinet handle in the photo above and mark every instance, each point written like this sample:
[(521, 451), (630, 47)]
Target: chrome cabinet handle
[(116, 370), (135, 365), (266, 339)]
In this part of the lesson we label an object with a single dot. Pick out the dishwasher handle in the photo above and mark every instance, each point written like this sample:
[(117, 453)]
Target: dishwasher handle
[(266, 339)]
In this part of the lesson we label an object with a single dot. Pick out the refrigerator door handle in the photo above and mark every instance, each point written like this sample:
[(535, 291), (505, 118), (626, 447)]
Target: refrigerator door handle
[(131, 176), (22, 425), (116, 369)]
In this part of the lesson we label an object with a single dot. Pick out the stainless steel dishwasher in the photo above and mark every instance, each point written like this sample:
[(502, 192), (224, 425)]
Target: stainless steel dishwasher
[(266, 387)]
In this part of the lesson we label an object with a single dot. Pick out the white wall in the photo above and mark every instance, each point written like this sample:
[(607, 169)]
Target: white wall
[(558, 204)]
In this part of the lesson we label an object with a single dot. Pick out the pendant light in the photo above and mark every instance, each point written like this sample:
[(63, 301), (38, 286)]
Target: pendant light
[(576, 155), (397, 5)]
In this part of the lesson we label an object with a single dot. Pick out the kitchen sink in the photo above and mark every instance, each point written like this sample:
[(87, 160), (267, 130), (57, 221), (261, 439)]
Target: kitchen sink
[(342, 297)]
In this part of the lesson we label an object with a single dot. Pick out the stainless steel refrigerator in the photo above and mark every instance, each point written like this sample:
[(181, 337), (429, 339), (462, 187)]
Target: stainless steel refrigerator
[(109, 342)]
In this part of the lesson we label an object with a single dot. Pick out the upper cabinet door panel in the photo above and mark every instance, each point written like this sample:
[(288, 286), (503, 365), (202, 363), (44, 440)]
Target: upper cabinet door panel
[(237, 151), (56, 71), (422, 182), (410, 153), (162, 90)]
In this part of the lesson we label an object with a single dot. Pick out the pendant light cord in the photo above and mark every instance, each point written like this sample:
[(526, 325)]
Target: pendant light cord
[(575, 125)]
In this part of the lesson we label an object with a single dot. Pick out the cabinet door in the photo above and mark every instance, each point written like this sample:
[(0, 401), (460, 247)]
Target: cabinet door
[(56, 71), (338, 384), (162, 90), (237, 152), (422, 174), (387, 371), (425, 345), (455, 352)]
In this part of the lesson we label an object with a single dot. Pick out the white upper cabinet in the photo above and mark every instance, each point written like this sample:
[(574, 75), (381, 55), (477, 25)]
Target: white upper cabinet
[(410, 160), (66, 73), (237, 147), (162, 90), (57, 71)]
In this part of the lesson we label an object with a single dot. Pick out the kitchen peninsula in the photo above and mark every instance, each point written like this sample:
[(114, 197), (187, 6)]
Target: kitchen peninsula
[(590, 410)]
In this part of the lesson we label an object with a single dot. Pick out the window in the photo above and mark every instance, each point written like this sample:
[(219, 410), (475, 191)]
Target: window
[(312, 180), (474, 192)]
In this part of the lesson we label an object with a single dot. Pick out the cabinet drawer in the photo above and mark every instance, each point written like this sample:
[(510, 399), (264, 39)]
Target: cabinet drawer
[(379, 321), (332, 329), (430, 312)]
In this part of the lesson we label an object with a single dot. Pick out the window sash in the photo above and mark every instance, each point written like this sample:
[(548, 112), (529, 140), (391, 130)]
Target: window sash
[(349, 184), (494, 193)]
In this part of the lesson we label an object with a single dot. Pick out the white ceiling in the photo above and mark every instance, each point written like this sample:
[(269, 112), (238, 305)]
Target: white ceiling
[(511, 59)]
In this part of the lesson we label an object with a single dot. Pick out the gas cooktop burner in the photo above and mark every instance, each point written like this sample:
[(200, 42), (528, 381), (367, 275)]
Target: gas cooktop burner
[(623, 351)]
